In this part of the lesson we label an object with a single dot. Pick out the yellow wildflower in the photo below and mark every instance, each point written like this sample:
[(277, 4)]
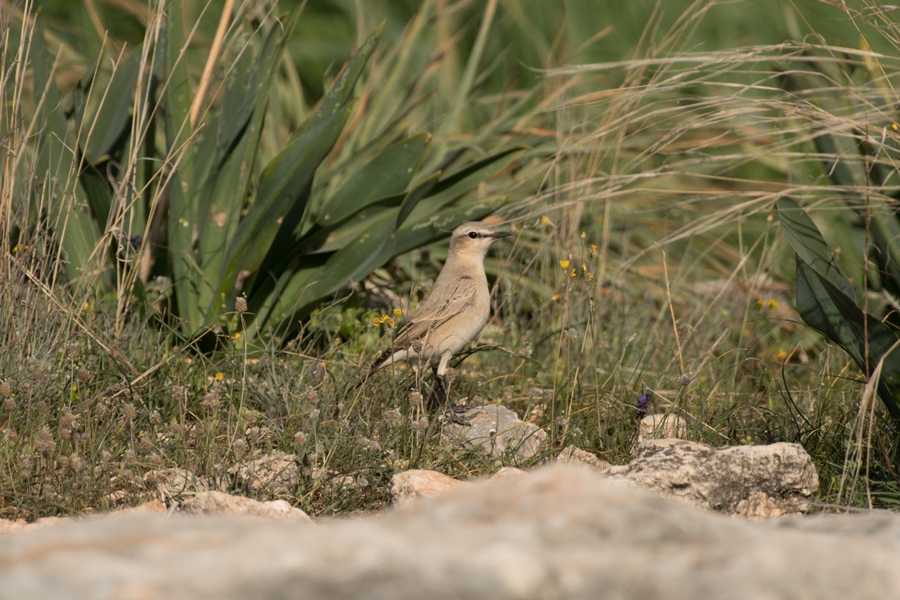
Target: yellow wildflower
[(564, 264)]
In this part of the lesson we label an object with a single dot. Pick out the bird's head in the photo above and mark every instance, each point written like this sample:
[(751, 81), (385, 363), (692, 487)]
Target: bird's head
[(472, 240)]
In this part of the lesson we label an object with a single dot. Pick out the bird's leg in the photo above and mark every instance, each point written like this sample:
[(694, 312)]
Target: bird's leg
[(454, 413), (439, 385)]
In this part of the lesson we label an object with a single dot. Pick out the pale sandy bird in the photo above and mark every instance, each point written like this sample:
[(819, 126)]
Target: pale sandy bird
[(454, 311)]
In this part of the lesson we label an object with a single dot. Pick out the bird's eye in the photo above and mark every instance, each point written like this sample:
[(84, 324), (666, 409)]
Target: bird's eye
[(473, 235)]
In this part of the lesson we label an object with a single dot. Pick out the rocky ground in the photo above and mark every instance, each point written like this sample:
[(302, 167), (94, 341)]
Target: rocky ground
[(681, 520)]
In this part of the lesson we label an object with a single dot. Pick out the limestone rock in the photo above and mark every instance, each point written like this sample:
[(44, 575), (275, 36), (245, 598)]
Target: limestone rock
[(749, 481), (151, 507), (495, 430), (407, 486), (220, 503), (22, 526), (277, 474), (574, 454), (507, 473), (561, 532)]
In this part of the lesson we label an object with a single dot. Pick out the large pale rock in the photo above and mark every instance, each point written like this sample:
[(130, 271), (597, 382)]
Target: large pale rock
[(575, 455), (495, 430), (749, 481), (561, 532), (414, 484), (277, 474), (220, 503)]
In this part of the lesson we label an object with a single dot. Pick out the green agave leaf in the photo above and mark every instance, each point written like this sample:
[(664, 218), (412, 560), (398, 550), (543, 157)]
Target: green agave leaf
[(820, 312), (342, 89), (836, 151), (113, 117), (103, 139), (297, 219), (839, 317), (454, 185), (369, 250), (84, 83), (809, 245), (338, 235), (885, 230), (99, 192), (826, 301), (436, 227), (182, 195), (415, 196), (57, 169), (280, 188), (320, 276), (388, 174), (233, 134)]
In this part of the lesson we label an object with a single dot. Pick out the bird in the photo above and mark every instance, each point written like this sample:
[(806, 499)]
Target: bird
[(454, 312)]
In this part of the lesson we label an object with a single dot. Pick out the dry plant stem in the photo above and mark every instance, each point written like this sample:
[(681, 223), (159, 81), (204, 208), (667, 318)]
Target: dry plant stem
[(865, 256), (672, 313), (865, 415), (211, 61)]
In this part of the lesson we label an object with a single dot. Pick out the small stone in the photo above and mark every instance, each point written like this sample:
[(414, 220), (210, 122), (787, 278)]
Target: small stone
[(407, 486), (220, 503), (574, 454), (494, 429)]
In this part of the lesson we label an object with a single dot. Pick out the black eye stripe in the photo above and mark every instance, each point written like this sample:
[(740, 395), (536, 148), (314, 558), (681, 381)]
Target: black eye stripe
[(473, 234)]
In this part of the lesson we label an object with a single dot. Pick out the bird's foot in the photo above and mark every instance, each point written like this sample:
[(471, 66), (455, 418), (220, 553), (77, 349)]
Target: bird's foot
[(456, 414)]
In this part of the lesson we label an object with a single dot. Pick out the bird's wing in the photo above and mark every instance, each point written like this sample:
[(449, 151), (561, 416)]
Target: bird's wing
[(442, 304)]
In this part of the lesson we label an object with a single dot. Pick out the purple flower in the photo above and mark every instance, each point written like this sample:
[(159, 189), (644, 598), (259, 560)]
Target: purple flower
[(643, 402)]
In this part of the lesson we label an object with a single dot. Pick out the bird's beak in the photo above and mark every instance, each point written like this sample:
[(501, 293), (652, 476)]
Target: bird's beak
[(500, 234)]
